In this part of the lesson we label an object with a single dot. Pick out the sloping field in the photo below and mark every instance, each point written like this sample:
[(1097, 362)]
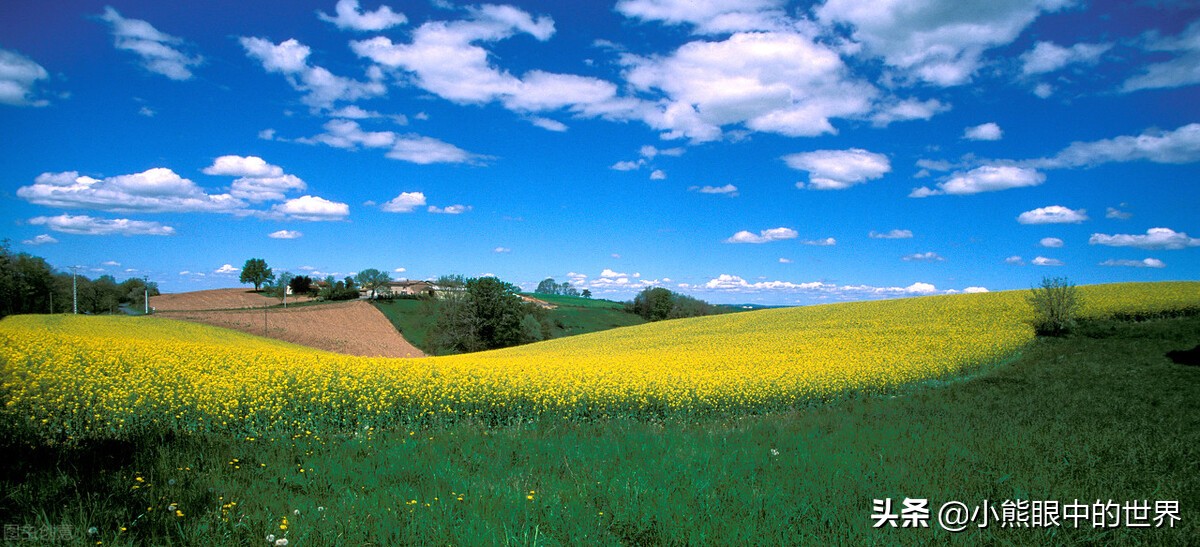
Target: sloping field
[(350, 328), (101, 376), (216, 299)]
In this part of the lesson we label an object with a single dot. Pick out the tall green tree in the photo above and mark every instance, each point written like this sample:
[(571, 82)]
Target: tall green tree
[(373, 280), (499, 310), (256, 271)]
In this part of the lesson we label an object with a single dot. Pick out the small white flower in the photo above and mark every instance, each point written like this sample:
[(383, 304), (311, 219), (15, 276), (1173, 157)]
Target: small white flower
[(281, 542), (296, 512), (93, 531), (774, 452), (270, 538), (320, 509), (172, 507)]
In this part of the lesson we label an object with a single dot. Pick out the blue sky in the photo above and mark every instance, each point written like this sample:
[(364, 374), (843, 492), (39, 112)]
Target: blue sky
[(740, 151)]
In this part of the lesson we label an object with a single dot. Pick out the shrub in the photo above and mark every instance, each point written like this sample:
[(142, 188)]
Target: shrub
[(1055, 304)]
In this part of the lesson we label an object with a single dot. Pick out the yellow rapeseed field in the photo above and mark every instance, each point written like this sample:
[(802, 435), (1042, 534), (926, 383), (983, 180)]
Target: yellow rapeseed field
[(75, 377)]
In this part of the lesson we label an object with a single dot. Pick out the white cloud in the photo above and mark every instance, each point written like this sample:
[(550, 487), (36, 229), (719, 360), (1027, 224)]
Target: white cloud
[(400, 270), (1043, 90), (888, 112), (924, 257), (501, 250), (450, 210), (892, 234), (736, 284), (826, 242), (988, 178), (243, 166), (939, 42), (548, 124), (157, 190), (707, 16), (40, 239), (1146, 263), (975, 290), (658, 174), (285, 234), (158, 51), (1049, 57), (1178, 72), (1175, 147), (226, 269), (1051, 242), (410, 147), (406, 202), (983, 132), (86, 225), (112, 263), (18, 78), (785, 261), (321, 88), (1054, 214), (1015, 261), (351, 17), (627, 165), (728, 190), (1043, 261), (764, 236), (650, 152), (776, 82), (610, 274), (311, 208), (1155, 238), (1118, 214), (838, 169)]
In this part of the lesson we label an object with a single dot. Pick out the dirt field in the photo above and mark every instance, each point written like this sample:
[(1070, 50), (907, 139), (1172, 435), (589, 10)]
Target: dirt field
[(352, 328), (216, 299)]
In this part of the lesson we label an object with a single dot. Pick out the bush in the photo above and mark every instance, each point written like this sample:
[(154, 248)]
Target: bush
[(1055, 304)]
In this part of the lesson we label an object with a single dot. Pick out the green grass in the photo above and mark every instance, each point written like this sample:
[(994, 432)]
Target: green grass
[(410, 318), (1101, 414)]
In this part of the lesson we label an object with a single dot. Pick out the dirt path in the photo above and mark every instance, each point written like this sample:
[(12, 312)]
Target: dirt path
[(352, 328)]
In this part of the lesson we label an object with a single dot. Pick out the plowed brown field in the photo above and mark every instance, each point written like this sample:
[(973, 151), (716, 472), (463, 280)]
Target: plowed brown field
[(351, 328)]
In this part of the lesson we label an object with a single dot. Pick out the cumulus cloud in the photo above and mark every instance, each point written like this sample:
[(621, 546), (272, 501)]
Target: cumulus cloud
[(159, 52), (924, 257), (285, 234), (158, 190), (764, 236), (321, 88), (892, 234), (1043, 261), (258, 180), (937, 42), (348, 134), (1145, 263), (1181, 145), (225, 270), (659, 174), (975, 290), (707, 16), (406, 202), (838, 169), (1054, 214), (896, 110), (1015, 261), (548, 124), (349, 16), (785, 260), (1051, 242), (988, 178), (824, 242), (19, 76), (311, 208), (1177, 72), (86, 225), (40, 239), (983, 132), (242, 166), (1114, 213), (1155, 238), (787, 83), (736, 284), (450, 210), (501, 250), (727, 190), (1049, 57)]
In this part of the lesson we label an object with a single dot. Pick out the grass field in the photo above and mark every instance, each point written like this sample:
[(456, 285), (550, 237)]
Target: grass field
[(776, 426)]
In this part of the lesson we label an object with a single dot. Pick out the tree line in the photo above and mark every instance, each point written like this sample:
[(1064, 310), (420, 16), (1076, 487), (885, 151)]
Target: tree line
[(28, 284)]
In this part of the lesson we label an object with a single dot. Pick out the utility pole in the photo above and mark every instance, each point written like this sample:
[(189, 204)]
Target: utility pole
[(74, 291), (146, 285)]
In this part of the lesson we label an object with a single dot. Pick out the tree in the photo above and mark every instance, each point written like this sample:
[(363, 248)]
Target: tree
[(1055, 304), (373, 280), (301, 284), (256, 271), (498, 309), (587, 293), (547, 286), (280, 284), (657, 303)]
